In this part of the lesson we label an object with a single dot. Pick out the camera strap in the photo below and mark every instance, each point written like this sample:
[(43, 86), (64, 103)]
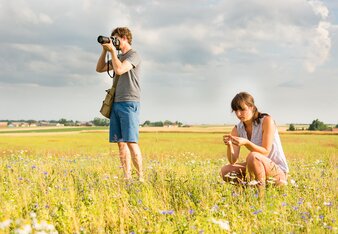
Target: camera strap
[(108, 62)]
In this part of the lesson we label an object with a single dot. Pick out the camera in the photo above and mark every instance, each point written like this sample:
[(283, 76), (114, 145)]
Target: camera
[(104, 40)]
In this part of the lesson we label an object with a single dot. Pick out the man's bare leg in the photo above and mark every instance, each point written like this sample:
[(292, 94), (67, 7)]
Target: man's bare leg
[(136, 158), (124, 154)]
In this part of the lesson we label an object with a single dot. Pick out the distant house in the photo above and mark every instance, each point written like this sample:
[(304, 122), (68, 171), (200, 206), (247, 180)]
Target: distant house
[(3, 124), (47, 124), (24, 125), (16, 124), (87, 124)]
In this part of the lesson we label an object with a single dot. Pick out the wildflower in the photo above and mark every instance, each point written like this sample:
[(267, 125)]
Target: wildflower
[(5, 224), (271, 180), (214, 208), (328, 227), (284, 204), (295, 207), (43, 226), (45, 173), (321, 217), (300, 201), (293, 183), (253, 183), (234, 194), (167, 212), (328, 203), (33, 167), (32, 214), (222, 224), (231, 175), (25, 229), (191, 211), (257, 212)]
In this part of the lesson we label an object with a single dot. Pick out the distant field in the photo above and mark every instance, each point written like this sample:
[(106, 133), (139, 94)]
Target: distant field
[(72, 183), (193, 129)]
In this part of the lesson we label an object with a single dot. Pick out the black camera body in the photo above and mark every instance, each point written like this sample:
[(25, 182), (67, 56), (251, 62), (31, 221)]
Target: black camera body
[(104, 40)]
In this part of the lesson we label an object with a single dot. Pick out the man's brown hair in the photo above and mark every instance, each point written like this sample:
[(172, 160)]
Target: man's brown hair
[(123, 32)]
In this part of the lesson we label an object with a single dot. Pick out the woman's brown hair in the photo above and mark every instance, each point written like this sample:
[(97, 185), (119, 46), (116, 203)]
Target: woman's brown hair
[(123, 32), (242, 98)]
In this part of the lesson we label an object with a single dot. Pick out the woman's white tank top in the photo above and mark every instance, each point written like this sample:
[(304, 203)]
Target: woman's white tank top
[(276, 154)]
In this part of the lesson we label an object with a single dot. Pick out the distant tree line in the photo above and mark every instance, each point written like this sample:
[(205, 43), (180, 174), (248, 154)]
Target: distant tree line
[(148, 123), (316, 125)]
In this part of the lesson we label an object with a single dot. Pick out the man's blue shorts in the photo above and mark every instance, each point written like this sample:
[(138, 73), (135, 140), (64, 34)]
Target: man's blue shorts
[(124, 122)]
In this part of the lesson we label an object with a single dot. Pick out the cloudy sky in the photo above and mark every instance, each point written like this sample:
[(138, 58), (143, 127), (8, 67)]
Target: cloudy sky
[(197, 54)]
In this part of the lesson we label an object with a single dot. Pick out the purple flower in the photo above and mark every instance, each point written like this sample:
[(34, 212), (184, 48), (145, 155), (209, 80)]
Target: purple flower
[(234, 194), (328, 227), (257, 212), (284, 204), (321, 217), (295, 207), (33, 167), (167, 212), (45, 173), (214, 208), (300, 201), (191, 211)]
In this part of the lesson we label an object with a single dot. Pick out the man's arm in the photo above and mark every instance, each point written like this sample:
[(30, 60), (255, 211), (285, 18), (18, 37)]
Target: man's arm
[(101, 65), (118, 66)]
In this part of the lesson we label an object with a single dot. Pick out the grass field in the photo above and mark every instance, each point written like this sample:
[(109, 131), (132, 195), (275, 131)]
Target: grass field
[(69, 183)]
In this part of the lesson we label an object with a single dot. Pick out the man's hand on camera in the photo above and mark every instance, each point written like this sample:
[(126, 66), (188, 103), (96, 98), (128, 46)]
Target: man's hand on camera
[(108, 47)]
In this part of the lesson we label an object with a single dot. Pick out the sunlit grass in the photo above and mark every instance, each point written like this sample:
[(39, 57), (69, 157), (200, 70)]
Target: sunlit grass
[(71, 182)]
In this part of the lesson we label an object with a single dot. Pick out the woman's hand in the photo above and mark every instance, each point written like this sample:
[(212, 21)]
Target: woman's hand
[(227, 139), (239, 141)]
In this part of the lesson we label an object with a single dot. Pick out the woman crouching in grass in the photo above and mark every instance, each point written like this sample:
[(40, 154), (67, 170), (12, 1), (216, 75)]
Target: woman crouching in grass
[(258, 133)]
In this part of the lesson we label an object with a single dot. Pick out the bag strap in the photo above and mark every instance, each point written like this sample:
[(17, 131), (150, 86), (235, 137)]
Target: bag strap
[(114, 77)]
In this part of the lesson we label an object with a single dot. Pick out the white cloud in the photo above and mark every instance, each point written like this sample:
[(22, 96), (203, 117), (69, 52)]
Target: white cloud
[(320, 46), (319, 8), (320, 40), (204, 50)]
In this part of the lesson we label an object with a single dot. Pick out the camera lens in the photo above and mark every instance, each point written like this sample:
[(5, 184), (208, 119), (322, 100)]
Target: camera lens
[(103, 40)]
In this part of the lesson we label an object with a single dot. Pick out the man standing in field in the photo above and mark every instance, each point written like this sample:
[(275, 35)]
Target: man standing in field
[(124, 118)]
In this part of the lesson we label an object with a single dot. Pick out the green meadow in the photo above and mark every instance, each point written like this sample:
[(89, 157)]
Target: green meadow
[(72, 183)]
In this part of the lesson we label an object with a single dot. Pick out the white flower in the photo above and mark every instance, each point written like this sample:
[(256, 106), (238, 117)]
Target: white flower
[(253, 182), (32, 215), (222, 224), (27, 229), (5, 224), (293, 183)]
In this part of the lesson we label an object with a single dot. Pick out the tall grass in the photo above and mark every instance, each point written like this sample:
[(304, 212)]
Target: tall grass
[(74, 184)]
